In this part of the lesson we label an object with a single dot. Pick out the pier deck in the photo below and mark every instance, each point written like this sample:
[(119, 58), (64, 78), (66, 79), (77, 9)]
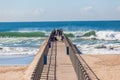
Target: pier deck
[(59, 66), (60, 61), (65, 70)]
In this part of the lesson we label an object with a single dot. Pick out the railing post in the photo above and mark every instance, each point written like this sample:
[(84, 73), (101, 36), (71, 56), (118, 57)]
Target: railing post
[(67, 50), (45, 59)]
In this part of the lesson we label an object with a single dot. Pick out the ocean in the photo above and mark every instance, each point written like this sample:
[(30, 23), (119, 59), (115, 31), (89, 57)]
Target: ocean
[(20, 41), (65, 25)]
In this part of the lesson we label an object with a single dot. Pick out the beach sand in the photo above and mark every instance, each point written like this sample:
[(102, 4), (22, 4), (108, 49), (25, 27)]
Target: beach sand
[(106, 67), (12, 72)]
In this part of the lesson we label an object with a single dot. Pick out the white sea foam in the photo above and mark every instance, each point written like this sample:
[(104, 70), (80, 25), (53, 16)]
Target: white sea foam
[(18, 51), (100, 49), (108, 35), (19, 46), (102, 35), (26, 30), (5, 49), (18, 39)]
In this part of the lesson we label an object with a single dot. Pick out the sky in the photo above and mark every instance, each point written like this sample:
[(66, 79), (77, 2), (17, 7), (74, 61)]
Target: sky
[(59, 10)]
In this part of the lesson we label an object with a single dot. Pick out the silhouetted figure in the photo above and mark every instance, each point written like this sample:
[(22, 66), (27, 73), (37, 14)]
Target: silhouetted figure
[(57, 31), (54, 32), (53, 35), (62, 38)]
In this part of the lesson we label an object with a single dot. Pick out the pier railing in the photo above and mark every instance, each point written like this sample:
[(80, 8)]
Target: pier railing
[(83, 71), (36, 67), (36, 74)]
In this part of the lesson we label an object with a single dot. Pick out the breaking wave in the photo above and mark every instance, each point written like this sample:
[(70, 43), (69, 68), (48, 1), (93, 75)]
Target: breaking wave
[(100, 48), (22, 34), (20, 46), (100, 35)]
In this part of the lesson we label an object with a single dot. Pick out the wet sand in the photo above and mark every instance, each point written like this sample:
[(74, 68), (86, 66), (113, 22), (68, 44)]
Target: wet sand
[(106, 67), (12, 72)]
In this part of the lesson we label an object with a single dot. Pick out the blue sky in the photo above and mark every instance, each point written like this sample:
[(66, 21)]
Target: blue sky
[(59, 10)]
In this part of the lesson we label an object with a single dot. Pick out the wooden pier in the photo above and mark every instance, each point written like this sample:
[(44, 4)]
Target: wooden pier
[(59, 60)]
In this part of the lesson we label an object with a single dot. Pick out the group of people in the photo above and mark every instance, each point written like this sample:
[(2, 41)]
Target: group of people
[(58, 32)]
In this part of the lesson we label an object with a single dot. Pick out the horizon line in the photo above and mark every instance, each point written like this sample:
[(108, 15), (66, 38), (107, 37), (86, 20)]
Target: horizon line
[(58, 21)]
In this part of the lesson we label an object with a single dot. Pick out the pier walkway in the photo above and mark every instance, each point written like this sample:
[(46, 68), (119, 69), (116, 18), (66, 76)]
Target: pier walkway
[(59, 66), (59, 60)]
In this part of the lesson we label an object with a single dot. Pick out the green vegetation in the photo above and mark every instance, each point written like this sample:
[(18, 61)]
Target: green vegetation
[(22, 34), (69, 35), (90, 33)]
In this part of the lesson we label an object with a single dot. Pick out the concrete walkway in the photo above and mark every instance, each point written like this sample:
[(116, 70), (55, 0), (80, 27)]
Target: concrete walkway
[(49, 70), (65, 70), (59, 65)]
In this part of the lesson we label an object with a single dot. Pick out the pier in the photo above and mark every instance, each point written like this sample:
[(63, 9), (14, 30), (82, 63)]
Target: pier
[(59, 59)]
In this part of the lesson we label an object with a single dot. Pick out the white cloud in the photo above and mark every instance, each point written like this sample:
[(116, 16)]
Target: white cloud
[(88, 8), (16, 15)]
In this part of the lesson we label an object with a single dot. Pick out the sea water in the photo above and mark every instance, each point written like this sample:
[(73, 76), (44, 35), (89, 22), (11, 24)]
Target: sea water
[(8, 60), (21, 50)]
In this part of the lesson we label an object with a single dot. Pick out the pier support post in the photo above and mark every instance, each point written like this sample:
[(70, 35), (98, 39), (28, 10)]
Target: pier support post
[(67, 50), (45, 59)]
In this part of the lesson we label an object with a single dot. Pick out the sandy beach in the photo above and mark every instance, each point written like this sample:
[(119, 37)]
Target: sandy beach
[(106, 67), (12, 72)]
